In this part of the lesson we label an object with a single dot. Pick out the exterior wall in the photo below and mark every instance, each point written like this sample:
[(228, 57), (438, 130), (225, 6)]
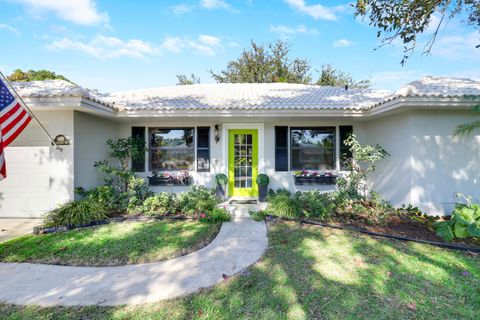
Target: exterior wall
[(428, 166), (39, 176), (91, 133)]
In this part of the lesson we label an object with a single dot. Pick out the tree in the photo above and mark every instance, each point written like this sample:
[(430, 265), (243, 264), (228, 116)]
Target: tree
[(330, 76), (407, 19), (184, 80), (468, 128), (32, 75), (265, 64)]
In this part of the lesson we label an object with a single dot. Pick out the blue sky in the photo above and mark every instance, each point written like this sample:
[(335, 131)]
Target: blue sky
[(119, 45)]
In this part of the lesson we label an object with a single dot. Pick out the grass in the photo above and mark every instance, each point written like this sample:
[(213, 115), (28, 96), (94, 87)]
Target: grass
[(112, 244), (318, 273)]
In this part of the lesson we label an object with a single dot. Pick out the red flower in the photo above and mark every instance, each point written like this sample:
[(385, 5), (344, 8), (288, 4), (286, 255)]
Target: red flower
[(203, 215)]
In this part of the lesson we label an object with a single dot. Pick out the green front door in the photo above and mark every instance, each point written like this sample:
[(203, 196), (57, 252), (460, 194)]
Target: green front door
[(242, 162)]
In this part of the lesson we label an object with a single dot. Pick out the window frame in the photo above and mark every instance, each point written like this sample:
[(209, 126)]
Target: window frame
[(333, 148), (151, 149), (199, 148)]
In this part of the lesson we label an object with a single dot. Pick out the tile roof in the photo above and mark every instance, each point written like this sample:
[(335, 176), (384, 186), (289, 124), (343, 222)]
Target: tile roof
[(246, 96), (55, 89)]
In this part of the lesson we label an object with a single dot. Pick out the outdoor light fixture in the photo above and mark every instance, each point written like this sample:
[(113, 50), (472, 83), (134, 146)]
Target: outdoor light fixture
[(61, 140), (216, 134)]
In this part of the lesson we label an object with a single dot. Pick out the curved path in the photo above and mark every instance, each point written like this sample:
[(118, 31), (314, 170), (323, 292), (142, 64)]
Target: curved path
[(239, 244)]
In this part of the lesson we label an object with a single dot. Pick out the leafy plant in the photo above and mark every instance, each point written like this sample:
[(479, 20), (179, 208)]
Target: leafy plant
[(160, 204), (221, 178), (285, 206), (258, 215), (197, 196), (215, 215), (280, 191), (263, 179), (76, 213), (315, 204), (104, 195), (464, 222), (137, 191)]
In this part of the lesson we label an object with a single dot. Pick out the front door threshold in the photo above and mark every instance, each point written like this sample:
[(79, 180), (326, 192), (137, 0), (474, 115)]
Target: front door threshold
[(243, 200)]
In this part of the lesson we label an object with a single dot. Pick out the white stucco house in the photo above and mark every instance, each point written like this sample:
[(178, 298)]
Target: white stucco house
[(246, 129)]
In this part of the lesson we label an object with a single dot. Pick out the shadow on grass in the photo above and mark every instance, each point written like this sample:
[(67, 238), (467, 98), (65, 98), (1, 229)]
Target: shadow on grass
[(113, 244), (318, 273)]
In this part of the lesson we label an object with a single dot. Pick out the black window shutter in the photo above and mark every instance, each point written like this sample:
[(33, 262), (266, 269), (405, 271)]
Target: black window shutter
[(203, 149), (281, 148), (138, 164)]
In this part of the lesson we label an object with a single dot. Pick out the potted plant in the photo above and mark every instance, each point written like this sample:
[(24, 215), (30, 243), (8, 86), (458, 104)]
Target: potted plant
[(262, 180), (221, 188)]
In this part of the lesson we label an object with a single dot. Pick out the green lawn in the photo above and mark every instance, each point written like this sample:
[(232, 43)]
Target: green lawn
[(317, 273), (112, 244)]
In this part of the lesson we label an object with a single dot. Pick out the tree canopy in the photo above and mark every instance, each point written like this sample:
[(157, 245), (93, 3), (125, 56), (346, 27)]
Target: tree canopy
[(329, 76), (265, 64), (32, 75), (183, 80), (407, 19)]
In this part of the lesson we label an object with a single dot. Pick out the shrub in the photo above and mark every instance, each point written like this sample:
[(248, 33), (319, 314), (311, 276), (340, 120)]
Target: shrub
[(258, 215), (137, 192), (315, 204), (196, 198), (215, 215), (221, 179), (464, 222), (281, 191), (104, 195), (76, 213), (284, 206), (263, 179), (160, 204)]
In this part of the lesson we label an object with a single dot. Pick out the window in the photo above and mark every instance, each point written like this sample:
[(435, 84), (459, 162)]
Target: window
[(281, 148), (312, 148), (345, 153), (203, 149), (138, 164), (171, 149)]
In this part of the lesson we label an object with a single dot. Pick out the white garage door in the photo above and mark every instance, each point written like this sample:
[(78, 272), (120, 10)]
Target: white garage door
[(26, 191)]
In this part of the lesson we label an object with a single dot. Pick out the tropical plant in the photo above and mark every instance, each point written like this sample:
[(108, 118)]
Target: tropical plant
[(195, 199), (258, 215), (284, 206), (160, 204), (215, 215), (315, 204), (263, 179), (221, 179), (464, 222), (76, 213), (137, 192), (104, 195), (469, 128)]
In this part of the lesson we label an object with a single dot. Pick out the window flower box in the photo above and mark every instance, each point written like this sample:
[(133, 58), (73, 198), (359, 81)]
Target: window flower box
[(306, 178), (170, 179)]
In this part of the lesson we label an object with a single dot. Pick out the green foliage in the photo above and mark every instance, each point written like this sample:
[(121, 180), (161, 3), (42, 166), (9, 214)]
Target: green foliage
[(263, 179), (104, 195), (265, 64), (329, 76), (406, 20), (215, 215), (464, 222), (160, 204), (76, 213), (315, 204), (125, 149), (280, 191), (285, 206), (195, 199), (32, 75), (221, 179), (467, 129), (258, 215), (137, 192), (183, 80)]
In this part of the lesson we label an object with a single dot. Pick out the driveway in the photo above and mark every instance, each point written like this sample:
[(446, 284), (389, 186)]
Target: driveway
[(12, 228)]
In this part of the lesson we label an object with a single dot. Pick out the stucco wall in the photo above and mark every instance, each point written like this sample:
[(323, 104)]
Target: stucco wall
[(91, 133), (39, 177)]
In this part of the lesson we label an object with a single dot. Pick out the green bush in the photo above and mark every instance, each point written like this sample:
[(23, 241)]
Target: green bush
[(76, 213), (104, 195), (258, 215), (138, 191), (221, 179), (196, 199), (315, 204), (281, 191), (215, 215), (263, 179), (285, 206), (464, 222), (160, 204)]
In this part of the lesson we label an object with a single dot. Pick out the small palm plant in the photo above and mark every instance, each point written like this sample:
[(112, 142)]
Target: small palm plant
[(468, 128)]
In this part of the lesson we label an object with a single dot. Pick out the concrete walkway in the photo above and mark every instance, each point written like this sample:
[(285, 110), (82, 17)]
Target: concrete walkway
[(12, 228), (239, 244)]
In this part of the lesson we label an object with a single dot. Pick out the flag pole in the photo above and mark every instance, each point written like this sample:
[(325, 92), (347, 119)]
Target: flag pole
[(9, 85)]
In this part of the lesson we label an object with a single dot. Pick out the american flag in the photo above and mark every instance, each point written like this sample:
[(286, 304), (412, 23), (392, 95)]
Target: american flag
[(13, 119)]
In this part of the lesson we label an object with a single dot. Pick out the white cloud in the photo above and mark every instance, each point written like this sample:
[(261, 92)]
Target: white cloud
[(342, 43), (182, 8), (9, 28), (214, 4), (457, 46), (317, 11), (205, 45), (172, 44), (102, 47), (83, 12), (290, 31), (209, 40)]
